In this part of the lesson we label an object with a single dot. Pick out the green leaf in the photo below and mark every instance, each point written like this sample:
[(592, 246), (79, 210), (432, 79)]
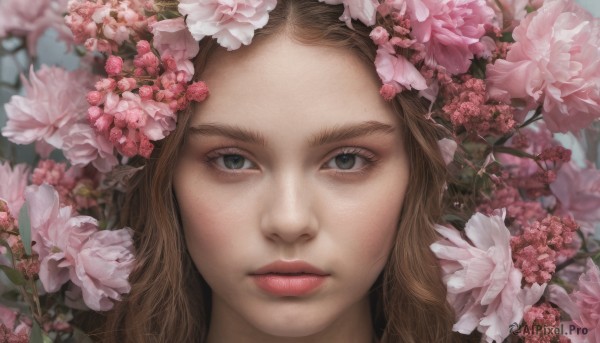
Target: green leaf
[(46, 339), (25, 229), (7, 246), (36, 335), (13, 275)]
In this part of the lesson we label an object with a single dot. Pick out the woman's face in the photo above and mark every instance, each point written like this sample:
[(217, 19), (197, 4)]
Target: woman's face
[(294, 156)]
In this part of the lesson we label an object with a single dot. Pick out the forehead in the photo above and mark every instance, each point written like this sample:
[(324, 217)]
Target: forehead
[(279, 83)]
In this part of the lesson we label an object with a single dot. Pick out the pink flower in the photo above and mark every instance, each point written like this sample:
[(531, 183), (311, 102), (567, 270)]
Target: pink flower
[(232, 22), (55, 98), (103, 266), (172, 38), (363, 10), (484, 287), (582, 305), (448, 148), (82, 146), (12, 187), (397, 71), (30, 19), (450, 30), (114, 65), (379, 35), (57, 235), (558, 68), (578, 191)]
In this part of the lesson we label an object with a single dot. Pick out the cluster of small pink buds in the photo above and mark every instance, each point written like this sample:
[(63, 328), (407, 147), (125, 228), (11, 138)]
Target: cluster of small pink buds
[(8, 335), (8, 223), (556, 154), (542, 325), (519, 212), (468, 107), (54, 174), (104, 25), (138, 97), (536, 250)]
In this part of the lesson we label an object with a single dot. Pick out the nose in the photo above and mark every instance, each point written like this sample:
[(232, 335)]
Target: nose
[(289, 215)]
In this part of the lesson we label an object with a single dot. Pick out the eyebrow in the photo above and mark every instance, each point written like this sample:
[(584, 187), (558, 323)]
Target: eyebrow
[(326, 136)]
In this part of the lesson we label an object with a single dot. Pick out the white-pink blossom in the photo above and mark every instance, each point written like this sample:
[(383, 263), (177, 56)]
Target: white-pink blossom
[(159, 120), (172, 38), (55, 98), (30, 19), (578, 191), (363, 10), (103, 266), (484, 286), (582, 305), (57, 235), (396, 70), (450, 30), (82, 145), (447, 148), (558, 68), (231, 22), (12, 187)]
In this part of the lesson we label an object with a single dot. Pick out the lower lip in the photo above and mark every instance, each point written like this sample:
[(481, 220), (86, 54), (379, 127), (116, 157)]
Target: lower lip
[(289, 285)]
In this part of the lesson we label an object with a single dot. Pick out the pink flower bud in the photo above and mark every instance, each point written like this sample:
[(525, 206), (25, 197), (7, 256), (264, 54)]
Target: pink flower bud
[(94, 98), (126, 84), (145, 147), (115, 135), (106, 85), (197, 91), (169, 63), (146, 92), (114, 65), (94, 113), (142, 47), (103, 123), (129, 149), (379, 35), (150, 60), (387, 92)]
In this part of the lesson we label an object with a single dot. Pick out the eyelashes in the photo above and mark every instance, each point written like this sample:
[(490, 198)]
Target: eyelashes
[(232, 162)]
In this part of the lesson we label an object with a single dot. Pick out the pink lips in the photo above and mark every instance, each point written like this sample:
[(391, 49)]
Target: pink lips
[(296, 278)]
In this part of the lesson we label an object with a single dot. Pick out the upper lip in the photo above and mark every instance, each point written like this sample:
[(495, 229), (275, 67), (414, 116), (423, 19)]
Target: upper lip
[(289, 267)]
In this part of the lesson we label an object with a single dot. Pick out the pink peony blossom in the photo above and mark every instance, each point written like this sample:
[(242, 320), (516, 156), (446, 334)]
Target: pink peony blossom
[(55, 98), (12, 187), (484, 287), (450, 30), (396, 70), (232, 22), (578, 192), (30, 19), (82, 146), (363, 10), (102, 267), (557, 68), (58, 236), (172, 38), (582, 305)]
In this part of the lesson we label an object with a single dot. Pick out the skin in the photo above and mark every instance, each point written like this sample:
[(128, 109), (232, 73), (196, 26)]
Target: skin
[(286, 199)]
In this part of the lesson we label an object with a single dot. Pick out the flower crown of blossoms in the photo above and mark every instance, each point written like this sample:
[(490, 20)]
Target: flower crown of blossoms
[(423, 45)]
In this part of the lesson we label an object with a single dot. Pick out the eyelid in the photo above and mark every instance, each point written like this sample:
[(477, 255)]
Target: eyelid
[(370, 161), (217, 153)]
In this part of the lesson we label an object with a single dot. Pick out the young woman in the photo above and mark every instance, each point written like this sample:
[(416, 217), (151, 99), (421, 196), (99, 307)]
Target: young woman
[(293, 205)]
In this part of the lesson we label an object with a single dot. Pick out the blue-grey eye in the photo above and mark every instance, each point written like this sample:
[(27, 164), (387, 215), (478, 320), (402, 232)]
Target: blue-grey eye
[(233, 161), (345, 161)]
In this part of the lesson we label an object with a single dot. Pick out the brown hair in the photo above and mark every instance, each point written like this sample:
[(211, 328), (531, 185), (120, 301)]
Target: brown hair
[(169, 300)]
